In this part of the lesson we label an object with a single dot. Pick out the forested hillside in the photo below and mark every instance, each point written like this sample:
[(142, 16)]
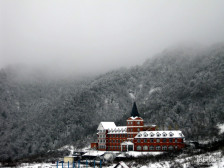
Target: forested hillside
[(180, 88)]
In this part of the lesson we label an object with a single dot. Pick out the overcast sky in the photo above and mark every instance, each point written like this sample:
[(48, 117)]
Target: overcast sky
[(82, 36)]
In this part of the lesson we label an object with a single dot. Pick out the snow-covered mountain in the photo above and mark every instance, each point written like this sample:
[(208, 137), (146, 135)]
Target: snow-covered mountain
[(179, 88)]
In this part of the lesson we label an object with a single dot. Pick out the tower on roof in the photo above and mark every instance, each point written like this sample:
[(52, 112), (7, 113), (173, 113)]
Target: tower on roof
[(134, 112)]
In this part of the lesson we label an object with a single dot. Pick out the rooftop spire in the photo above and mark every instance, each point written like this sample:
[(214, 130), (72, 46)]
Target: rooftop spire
[(134, 112)]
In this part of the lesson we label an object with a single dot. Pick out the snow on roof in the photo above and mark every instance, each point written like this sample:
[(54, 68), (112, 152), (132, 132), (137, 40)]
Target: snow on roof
[(94, 153), (106, 125), (127, 143), (161, 134), (123, 164), (134, 118), (137, 153), (118, 130), (122, 155)]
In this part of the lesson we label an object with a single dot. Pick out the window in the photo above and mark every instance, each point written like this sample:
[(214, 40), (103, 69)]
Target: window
[(151, 140), (145, 147), (170, 140), (176, 140), (139, 148), (158, 148), (157, 140), (138, 140), (128, 122), (164, 140), (131, 129), (151, 148), (145, 140), (170, 147), (131, 122), (138, 122), (164, 148)]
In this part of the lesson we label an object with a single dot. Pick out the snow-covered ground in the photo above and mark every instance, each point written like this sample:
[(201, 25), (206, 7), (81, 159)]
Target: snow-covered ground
[(131, 153), (214, 160)]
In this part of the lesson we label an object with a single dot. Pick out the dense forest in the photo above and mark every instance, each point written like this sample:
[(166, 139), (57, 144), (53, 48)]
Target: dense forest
[(180, 88)]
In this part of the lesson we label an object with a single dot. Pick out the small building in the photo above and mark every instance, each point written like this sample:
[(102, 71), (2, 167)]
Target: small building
[(69, 159)]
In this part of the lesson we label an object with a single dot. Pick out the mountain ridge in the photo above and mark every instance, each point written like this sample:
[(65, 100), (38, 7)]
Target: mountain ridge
[(180, 88)]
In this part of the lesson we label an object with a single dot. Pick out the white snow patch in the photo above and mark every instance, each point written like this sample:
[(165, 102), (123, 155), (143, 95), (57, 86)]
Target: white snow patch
[(133, 118), (219, 163), (36, 165), (123, 165), (94, 153), (221, 127), (135, 154), (64, 147), (154, 90), (69, 148), (132, 95)]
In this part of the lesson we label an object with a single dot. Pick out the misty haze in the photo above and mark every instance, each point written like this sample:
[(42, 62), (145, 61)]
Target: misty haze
[(82, 37), (67, 66)]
